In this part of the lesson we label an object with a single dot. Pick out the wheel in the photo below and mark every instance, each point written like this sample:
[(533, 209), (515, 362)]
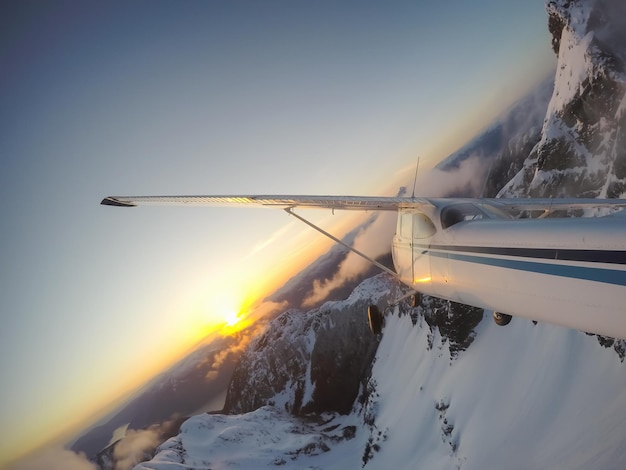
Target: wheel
[(501, 319), (415, 299), (375, 319)]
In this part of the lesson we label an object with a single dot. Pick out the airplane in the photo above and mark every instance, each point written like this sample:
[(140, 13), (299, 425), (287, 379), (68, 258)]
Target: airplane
[(515, 257)]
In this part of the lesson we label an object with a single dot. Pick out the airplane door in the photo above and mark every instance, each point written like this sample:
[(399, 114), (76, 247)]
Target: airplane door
[(423, 230), (411, 252), (403, 247)]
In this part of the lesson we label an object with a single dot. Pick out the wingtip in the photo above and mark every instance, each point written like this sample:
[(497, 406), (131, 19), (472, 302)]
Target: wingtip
[(112, 201)]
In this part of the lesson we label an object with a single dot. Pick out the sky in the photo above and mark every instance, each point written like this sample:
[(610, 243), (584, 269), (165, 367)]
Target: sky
[(207, 97)]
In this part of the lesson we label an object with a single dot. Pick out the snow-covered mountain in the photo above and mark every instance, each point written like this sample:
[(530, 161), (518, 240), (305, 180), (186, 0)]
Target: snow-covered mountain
[(582, 148), (524, 396), (444, 387)]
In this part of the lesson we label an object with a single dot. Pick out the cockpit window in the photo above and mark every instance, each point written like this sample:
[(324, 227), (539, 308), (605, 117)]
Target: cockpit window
[(462, 212), (423, 227), (456, 213), (495, 212), (417, 226)]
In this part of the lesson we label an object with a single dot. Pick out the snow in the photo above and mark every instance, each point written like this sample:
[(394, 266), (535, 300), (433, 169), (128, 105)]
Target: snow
[(536, 396), (574, 61), (522, 396), (265, 437), (573, 69)]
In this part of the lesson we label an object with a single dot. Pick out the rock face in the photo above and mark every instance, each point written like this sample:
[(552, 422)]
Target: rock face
[(582, 147), (506, 144), (455, 323), (311, 361)]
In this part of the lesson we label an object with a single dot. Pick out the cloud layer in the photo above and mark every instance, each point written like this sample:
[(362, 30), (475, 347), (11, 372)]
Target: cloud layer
[(135, 447), (54, 458), (373, 240)]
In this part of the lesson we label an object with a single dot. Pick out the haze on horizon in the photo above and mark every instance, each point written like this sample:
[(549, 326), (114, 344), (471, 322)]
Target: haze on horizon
[(155, 97)]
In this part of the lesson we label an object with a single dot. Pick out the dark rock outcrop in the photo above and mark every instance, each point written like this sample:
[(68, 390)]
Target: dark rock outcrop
[(455, 322), (311, 361)]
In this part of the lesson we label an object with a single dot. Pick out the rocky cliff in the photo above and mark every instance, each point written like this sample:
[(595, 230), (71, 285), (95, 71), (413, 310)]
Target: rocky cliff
[(313, 361), (581, 151)]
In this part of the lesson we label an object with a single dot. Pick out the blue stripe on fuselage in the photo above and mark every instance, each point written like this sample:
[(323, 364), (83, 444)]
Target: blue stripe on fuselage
[(590, 256), (607, 276)]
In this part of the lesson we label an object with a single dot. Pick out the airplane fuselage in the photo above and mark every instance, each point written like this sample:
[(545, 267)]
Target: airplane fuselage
[(567, 271)]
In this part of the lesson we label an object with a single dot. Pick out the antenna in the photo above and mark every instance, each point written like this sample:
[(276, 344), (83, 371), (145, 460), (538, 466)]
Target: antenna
[(482, 191), (415, 179)]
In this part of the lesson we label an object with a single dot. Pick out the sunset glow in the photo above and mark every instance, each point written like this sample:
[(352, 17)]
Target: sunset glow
[(228, 313), (232, 318)]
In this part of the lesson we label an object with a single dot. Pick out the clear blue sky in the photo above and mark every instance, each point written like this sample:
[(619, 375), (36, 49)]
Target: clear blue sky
[(192, 97)]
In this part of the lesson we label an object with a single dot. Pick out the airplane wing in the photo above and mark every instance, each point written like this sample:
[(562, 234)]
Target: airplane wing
[(363, 203)]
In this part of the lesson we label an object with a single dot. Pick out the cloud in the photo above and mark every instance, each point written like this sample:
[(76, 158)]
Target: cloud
[(277, 235), (239, 341), (466, 180), (54, 458), (220, 357), (135, 447), (211, 375), (374, 240), (138, 445)]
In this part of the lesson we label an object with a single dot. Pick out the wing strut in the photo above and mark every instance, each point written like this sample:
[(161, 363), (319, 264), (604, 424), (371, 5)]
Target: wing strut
[(335, 239)]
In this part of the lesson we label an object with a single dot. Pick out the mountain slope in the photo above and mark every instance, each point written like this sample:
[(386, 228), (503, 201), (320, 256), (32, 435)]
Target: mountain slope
[(524, 396)]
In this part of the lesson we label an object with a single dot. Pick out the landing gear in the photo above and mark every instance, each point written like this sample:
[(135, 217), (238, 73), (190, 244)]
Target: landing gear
[(375, 319), (415, 299), (501, 319)]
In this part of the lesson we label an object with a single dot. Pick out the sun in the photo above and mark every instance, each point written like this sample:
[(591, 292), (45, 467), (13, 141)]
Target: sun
[(231, 318), (225, 313), (232, 314)]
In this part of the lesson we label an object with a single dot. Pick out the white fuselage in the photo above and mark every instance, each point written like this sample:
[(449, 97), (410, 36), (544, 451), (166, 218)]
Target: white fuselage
[(567, 271)]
